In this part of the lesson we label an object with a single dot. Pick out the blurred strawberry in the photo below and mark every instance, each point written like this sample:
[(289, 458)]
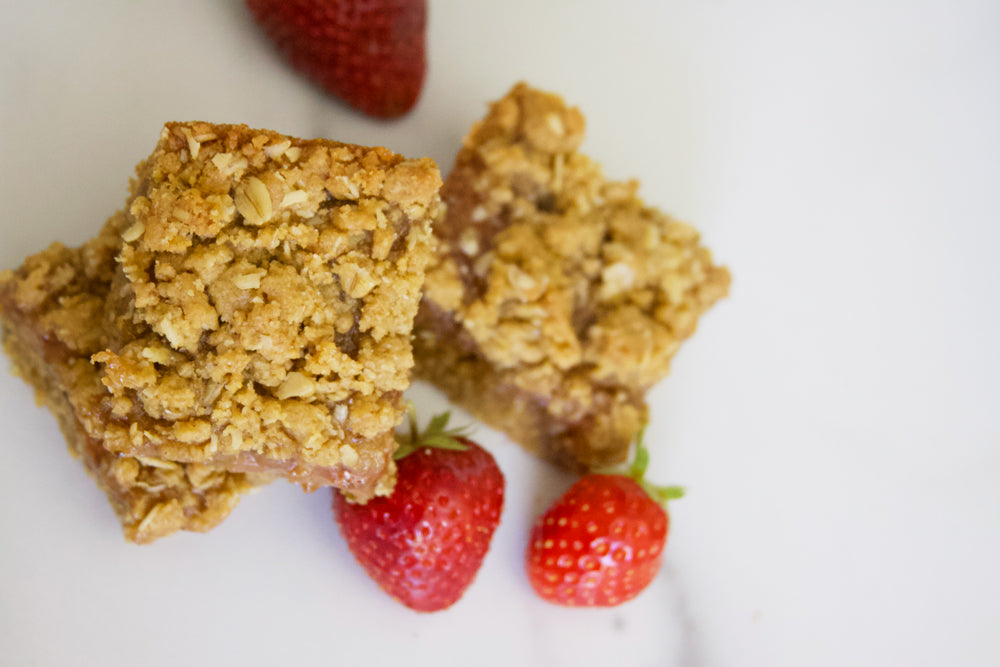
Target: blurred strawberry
[(369, 53), (601, 543)]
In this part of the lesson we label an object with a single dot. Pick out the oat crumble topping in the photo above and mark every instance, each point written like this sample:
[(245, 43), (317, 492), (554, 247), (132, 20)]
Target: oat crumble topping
[(561, 281), (266, 284)]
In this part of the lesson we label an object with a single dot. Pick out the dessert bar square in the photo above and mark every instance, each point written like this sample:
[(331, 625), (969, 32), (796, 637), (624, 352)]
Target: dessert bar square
[(261, 313), (556, 297), (51, 311)]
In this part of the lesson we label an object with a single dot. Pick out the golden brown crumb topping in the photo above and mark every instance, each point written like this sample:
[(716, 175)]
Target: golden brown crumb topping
[(265, 299), (560, 277)]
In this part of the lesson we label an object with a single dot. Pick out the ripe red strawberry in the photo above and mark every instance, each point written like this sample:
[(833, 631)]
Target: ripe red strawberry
[(425, 543), (601, 543), (370, 53)]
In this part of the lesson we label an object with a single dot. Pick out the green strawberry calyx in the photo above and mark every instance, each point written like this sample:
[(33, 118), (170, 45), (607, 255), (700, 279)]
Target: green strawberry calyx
[(435, 435), (637, 471)]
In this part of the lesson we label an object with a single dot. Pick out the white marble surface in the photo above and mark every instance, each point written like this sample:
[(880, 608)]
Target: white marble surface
[(835, 420)]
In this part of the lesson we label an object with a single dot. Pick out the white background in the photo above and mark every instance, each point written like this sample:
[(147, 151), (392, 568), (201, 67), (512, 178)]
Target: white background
[(835, 420)]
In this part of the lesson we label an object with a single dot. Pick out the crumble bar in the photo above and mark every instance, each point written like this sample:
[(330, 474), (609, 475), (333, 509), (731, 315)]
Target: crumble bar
[(556, 298), (261, 314), (51, 313)]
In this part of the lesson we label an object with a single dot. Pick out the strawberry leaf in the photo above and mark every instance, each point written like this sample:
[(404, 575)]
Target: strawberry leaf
[(436, 434), (662, 494), (438, 423), (637, 471)]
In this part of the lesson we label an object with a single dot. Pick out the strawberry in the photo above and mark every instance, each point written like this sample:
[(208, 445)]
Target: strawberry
[(425, 543), (601, 543), (369, 53)]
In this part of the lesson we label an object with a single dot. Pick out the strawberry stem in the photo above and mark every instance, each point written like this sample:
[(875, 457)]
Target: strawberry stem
[(641, 461), (411, 417)]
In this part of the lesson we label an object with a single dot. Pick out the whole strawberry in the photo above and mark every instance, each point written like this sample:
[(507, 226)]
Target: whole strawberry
[(601, 543), (369, 53), (425, 543)]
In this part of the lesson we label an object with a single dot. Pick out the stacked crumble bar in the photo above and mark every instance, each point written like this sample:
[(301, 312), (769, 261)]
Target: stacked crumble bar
[(52, 308), (250, 316), (556, 297), (261, 314)]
